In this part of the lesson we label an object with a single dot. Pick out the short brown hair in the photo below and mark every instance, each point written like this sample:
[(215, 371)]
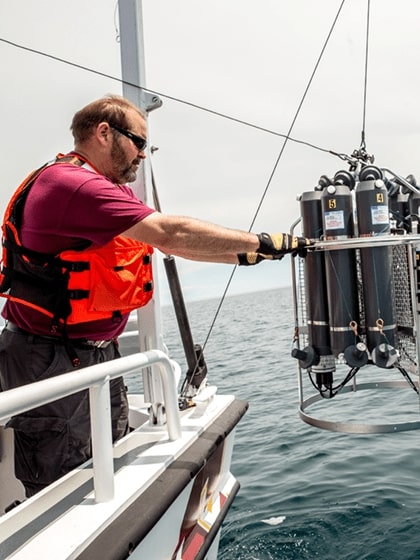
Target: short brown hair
[(111, 109)]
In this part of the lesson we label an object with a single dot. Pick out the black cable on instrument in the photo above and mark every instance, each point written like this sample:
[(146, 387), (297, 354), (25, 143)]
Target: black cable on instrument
[(330, 393)]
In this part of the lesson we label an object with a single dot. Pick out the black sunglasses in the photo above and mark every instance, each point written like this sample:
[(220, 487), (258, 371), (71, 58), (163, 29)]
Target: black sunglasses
[(139, 142)]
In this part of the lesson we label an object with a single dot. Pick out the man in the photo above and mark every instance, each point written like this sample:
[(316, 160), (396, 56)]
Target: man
[(66, 215)]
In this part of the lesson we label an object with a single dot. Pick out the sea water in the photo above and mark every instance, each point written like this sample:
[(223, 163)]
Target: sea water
[(305, 492)]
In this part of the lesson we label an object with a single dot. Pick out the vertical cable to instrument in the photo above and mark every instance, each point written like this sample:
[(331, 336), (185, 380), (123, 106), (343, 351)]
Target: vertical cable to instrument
[(277, 163), (363, 143), (296, 114)]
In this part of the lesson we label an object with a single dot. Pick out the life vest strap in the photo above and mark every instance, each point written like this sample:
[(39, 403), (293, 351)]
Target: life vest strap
[(78, 294), (77, 285), (72, 266)]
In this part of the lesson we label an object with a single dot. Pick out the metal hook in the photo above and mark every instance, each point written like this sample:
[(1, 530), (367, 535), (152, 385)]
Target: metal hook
[(353, 326)]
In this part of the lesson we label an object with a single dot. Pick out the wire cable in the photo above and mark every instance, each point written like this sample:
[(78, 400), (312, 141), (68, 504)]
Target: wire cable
[(286, 138), (363, 143), (169, 97)]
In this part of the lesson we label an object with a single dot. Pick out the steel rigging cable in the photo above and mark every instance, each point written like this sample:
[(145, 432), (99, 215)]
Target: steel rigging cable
[(171, 98), (363, 143), (285, 136)]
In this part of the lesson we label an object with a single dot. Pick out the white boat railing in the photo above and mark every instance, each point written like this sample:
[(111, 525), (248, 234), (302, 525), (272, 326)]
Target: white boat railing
[(96, 378)]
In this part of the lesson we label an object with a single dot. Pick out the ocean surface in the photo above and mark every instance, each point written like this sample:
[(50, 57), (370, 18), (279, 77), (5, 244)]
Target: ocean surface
[(306, 492)]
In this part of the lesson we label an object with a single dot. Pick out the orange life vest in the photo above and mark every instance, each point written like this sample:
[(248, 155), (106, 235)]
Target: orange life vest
[(75, 286), (109, 280)]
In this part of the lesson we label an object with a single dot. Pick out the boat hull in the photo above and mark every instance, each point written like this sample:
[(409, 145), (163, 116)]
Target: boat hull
[(170, 497)]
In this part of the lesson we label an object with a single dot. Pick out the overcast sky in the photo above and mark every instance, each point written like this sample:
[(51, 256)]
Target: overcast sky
[(249, 60)]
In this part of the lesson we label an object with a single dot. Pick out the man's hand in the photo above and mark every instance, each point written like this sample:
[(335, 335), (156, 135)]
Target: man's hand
[(248, 259), (279, 244)]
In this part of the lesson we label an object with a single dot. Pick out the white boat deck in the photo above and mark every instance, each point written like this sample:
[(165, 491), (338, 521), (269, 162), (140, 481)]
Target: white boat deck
[(64, 519)]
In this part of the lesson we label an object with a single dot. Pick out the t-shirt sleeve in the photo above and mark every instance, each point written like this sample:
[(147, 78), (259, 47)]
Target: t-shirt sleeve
[(99, 210), (69, 205)]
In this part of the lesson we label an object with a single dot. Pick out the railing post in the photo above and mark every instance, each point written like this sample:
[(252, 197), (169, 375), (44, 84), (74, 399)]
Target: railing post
[(171, 401), (96, 377), (102, 450)]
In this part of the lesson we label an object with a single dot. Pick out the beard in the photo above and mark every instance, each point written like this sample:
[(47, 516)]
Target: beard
[(123, 169)]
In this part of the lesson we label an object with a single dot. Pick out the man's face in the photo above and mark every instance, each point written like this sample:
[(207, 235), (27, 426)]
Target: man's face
[(125, 155)]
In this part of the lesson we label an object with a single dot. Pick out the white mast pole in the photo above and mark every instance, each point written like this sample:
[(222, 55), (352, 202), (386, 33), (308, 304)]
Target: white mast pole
[(133, 75)]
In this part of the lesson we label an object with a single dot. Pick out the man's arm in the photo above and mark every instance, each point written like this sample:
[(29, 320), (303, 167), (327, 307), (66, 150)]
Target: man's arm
[(202, 241), (193, 239)]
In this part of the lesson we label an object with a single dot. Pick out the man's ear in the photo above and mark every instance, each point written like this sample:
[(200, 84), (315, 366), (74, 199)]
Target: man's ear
[(103, 133)]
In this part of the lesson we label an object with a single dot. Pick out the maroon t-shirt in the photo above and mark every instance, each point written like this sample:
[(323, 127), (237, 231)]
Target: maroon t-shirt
[(67, 206)]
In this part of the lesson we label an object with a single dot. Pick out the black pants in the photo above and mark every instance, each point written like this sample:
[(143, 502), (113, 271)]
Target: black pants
[(53, 439)]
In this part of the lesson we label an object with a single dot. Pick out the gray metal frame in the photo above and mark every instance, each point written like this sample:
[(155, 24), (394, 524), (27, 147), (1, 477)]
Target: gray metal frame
[(407, 313)]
